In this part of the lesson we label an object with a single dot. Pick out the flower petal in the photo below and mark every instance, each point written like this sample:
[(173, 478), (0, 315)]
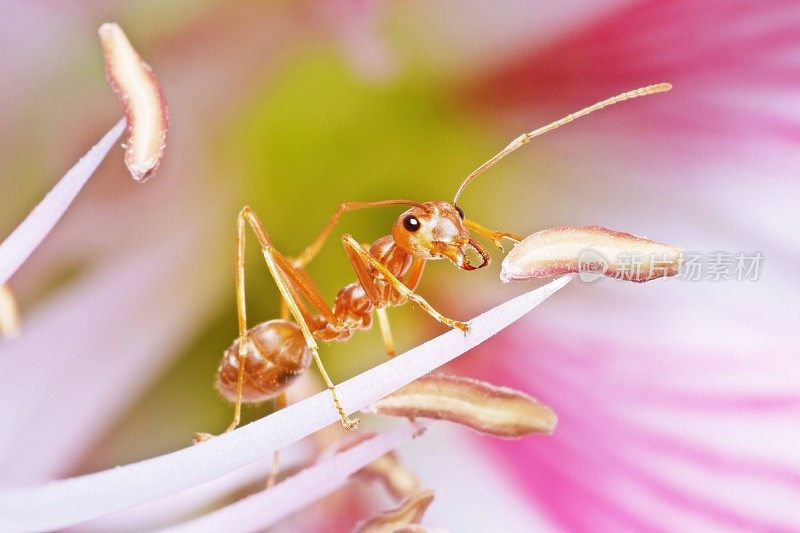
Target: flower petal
[(672, 453), (70, 501), (27, 236), (266, 508), (97, 344), (733, 76)]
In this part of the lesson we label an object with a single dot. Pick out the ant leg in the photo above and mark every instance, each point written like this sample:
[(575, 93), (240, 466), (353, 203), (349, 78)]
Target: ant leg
[(290, 282), (410, 280), (280, 399), (280, 403), (312, 249), (386, 331), (361, 259), (492, 235), (414, 274), (241, 311), (284, 312)]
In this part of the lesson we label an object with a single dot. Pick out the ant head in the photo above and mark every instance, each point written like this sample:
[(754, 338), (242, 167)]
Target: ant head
[(435, 230)]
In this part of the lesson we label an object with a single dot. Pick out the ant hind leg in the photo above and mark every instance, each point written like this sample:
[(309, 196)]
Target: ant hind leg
[(291, 283), (280, 403)]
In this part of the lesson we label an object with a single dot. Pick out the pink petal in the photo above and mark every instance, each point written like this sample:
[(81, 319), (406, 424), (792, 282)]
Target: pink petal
[(746, 52), (677, 403), (625, 424), (32, 231), (468, 480)]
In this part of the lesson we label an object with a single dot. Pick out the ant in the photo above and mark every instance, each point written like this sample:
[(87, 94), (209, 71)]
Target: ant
[(266, 359)]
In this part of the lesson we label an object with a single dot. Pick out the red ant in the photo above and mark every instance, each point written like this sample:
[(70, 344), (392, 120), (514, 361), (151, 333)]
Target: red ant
[(264, 360)]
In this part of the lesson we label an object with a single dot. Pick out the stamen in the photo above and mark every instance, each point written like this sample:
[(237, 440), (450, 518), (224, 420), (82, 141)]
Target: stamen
[(409, 512), (140, 94), (498, 411), (592, 252)]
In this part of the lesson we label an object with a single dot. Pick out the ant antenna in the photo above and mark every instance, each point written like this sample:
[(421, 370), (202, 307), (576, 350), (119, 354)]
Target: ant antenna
[(525, 137)]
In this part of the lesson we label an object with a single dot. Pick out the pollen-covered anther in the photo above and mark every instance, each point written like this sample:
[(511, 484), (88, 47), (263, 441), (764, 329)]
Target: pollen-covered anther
[(486, 408), (409, 512), (140, 93), (590, 251), (9, 314)]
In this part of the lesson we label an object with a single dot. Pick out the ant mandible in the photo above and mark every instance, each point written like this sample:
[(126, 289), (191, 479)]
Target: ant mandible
[(264, 360)]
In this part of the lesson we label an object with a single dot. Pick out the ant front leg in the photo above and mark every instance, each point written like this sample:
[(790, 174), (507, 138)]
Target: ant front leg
[(492, 235), (360, 259)]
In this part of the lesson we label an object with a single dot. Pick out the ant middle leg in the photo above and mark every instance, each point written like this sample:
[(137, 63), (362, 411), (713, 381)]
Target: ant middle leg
[(360, 259), (410, 280), (280, 402)]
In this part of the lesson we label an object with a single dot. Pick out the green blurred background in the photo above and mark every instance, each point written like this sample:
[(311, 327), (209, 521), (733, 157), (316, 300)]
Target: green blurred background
[(293, 144)]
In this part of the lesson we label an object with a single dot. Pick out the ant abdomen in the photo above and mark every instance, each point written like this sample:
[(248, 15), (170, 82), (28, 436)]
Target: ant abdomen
[(276, 355)]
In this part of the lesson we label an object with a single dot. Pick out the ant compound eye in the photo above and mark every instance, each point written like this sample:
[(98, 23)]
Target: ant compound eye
[(411, 223), (460, 212)]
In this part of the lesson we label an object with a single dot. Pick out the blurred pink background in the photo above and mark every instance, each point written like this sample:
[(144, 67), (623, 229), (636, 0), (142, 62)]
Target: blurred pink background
[(677, 400)]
